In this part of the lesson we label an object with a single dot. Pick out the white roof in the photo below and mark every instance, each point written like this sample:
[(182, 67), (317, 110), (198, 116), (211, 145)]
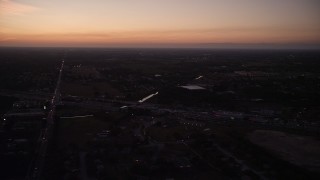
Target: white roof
[(193, 87)]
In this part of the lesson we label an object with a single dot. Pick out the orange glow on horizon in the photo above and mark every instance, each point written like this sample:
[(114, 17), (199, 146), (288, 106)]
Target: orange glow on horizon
[(122, 38), (97, 23)]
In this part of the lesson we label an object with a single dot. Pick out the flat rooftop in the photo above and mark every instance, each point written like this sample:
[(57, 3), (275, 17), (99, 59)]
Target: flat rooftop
[(193, 87)]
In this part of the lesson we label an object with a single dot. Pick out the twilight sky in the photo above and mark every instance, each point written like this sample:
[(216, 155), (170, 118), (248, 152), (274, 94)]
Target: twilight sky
[(135, 23)]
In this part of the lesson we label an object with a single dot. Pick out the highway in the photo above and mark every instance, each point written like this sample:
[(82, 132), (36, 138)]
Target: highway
[(36, 167), (211, 115)]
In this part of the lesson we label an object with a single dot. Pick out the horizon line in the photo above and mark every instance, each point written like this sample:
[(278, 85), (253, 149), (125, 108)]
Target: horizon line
[(186, 46)]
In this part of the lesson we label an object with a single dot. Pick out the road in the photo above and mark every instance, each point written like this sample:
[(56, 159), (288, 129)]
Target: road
[(46, 134), (213, 116), (202, 115)]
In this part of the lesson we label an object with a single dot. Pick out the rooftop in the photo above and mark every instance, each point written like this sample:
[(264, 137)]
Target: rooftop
[(192, 87)]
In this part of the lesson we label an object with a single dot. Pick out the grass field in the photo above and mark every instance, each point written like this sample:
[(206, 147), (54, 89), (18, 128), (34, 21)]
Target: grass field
[(89, 90), (302, 151)]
